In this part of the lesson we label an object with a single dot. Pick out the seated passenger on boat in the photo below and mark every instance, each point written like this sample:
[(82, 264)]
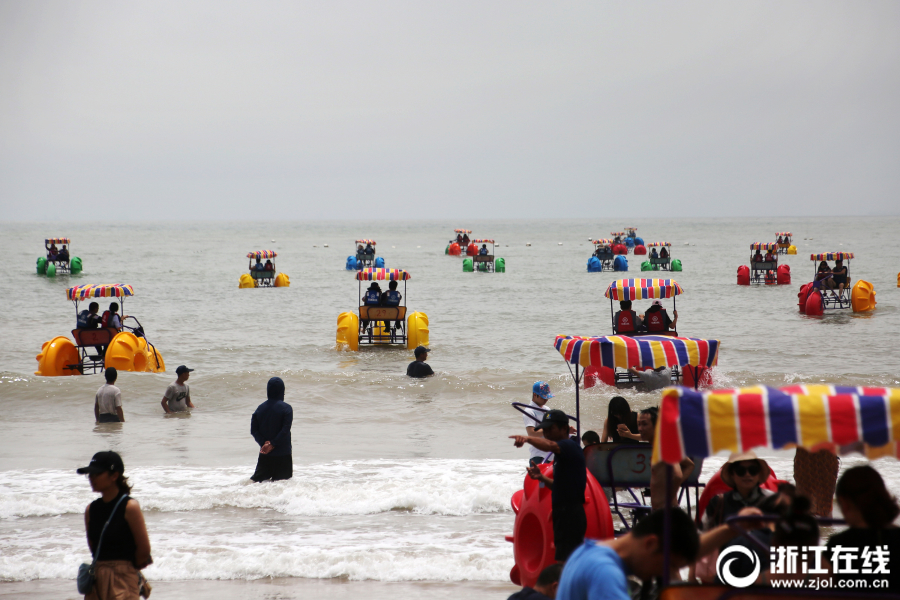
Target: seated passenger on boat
[(63, 254), (780, 240), (257, 267), (663, 253), (654, 253), (757, 257), (769, 256), (369, 249), (657, 319), (269, 266), (825, 275), (625, 319), (88, 318), (392, 298), (839, 274), (371, 298), (621, 424), (52, 252), (465, 239), (483, 251), (111, 317)]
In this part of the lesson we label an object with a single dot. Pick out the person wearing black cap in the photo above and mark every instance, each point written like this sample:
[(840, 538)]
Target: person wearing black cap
[(116, 518), (568, 482), (178, 395), (419, 368), (271, 428)]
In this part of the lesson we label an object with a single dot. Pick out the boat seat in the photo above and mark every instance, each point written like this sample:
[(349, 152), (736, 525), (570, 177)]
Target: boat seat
[(262, 274), (764, 266), (482, 258), (93, 337), (382, 313)]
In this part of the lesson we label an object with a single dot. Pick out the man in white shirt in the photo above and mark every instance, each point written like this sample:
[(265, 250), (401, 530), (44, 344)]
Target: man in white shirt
[(108, 401), (654, 379), (540, 393), (178, 395)]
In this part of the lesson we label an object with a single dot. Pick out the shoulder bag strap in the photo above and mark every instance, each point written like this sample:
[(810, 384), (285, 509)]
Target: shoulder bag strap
[(100, 540)]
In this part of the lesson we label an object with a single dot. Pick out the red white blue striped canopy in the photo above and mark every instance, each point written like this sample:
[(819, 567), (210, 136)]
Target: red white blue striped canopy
[(462, 231), (101, 290), (787, 233), (764, 246), (704, 423), (617, 233), (652, 244), (260, 254), (382, 275), (631, 229), (643, 289), (371, 242), (831, 256), (645, 351), (57, 241), (603, 242), (485, 241)]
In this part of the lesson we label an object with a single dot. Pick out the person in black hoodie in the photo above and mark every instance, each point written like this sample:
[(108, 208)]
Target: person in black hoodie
[(271, 428), (545, 588)]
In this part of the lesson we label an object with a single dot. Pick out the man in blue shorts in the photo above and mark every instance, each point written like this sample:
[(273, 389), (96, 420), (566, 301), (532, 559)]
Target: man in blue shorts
[(568, 482)]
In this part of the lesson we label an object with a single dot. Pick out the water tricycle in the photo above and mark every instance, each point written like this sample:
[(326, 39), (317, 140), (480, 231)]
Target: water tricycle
[(830, 288), (603, 258), (633, 241), (660, 260), (785, 245), (364, 257), (381, 314), (619, 242), (126, 349), (764, 269), (460, 244), (483, 260), (263, 274), (622, 467), (58, 259)]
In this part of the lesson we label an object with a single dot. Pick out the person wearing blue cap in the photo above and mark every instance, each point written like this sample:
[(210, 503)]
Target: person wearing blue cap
[(271, 428), (540, 393)]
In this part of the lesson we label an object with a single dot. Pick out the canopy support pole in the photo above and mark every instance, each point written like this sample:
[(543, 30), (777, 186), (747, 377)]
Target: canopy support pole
[(667, 528), (577, 377)]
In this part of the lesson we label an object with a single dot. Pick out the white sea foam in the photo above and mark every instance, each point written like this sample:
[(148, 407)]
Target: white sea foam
[(442, 487), (379, 519)]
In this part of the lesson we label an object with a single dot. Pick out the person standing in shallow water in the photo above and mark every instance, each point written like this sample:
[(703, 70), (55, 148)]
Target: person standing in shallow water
[(125, 548), (108, 401), (270, 426)]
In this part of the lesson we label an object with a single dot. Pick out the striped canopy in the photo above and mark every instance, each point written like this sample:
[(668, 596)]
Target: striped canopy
[(382, 275), (462, 231), (643, 289), (831, 256), (260, 254), (617, 233), (652, 244), (631, 229), (101, 290), (485, 241), (57, 241), (704, 423), (371, 242), (764, 246), (645, 351), (603, 242), (787, 233)]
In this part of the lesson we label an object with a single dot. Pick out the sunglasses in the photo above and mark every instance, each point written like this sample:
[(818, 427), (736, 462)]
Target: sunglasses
[(741, 470)]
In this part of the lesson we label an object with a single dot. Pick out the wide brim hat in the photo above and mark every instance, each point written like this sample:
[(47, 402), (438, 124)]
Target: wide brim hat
[(725, 472)]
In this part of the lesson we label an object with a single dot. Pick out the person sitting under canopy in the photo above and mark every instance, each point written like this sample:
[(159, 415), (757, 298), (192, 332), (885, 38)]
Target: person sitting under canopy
[(52, 251), (626, 320), (663, 253), (269, 266), (825, 276), (769, 256), (839, 275), (371, 298), (656, 319), (654, 253), (757, 257), (465, 239), (258, 266), (369, 249), (63, 253), (483, 251), (780, 240)]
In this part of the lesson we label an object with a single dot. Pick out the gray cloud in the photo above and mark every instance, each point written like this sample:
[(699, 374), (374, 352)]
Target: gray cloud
[(527, 109)]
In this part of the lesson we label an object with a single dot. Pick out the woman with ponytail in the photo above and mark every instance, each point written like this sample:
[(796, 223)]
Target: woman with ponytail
[(125, 546)]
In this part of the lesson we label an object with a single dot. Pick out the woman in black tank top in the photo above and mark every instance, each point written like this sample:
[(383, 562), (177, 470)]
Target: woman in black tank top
[(125, 546)]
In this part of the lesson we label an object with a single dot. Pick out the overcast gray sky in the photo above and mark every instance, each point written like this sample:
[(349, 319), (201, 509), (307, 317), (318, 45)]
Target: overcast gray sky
[(299, 110)]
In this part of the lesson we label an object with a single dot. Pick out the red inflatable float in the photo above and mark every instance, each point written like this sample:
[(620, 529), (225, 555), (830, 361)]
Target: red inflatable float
[(472, 250), (454, 249), (784, 274), (620, 249), (532, 536), (743, 275), (640, 250)]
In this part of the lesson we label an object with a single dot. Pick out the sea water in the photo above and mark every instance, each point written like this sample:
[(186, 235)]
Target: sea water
[(401, 486)]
